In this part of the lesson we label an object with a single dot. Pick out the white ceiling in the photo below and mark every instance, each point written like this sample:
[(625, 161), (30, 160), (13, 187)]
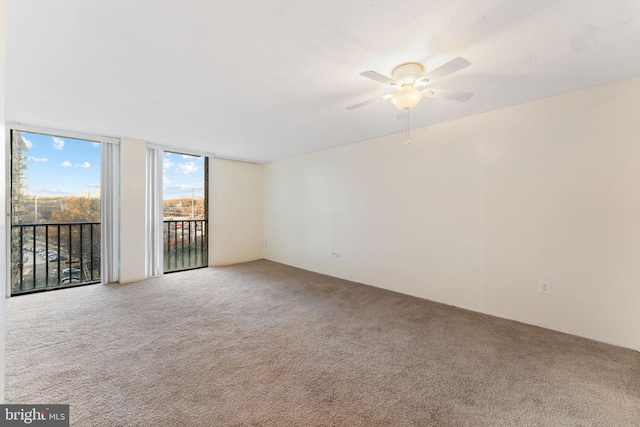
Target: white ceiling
[(263, 80)]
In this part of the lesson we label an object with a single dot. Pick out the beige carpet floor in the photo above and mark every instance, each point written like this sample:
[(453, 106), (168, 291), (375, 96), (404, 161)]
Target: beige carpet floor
[(263, 344)]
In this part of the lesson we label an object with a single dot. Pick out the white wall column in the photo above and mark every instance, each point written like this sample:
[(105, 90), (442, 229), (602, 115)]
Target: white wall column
[(133, 155)]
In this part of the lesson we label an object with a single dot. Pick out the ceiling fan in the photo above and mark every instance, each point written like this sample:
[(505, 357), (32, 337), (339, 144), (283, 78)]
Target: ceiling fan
[(413, 84)]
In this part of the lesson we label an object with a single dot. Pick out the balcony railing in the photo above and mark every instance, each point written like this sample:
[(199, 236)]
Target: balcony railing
[(52, 255), (60, 255), (185, 244)]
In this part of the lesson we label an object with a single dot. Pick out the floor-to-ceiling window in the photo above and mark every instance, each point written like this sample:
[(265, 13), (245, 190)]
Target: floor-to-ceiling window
[(184, 211), (55, 212)]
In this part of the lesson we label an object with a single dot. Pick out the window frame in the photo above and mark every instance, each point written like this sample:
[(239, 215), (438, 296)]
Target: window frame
[(109, 204)]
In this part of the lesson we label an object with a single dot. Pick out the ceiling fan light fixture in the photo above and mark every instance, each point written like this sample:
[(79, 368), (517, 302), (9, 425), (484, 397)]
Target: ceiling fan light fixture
[(407, 97)]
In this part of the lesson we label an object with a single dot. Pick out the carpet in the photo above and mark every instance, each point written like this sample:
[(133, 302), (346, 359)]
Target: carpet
[(264, 344)]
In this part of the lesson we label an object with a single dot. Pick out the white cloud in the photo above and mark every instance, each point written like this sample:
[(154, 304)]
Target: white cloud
[(166, 180), (65, 164), (28, 143), (38, 159), (167, 164), (58, 143), (186, 156), (96, 144), (185, 168), (84, 165)]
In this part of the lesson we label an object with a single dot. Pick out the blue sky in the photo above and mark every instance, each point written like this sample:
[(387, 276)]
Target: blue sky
[(65, 166), (61, 166), (183, 175)]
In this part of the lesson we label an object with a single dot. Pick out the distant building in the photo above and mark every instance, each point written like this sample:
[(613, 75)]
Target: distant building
[(18, 178)]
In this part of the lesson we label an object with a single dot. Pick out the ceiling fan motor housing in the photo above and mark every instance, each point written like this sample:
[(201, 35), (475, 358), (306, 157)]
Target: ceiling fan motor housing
[(407, 73)]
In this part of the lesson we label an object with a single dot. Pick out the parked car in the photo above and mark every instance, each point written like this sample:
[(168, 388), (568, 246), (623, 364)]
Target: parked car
[(69, 280), (73, 271), (47, 254)]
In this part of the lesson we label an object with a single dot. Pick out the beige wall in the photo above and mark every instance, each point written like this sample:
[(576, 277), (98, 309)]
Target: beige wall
[(133, 204), (476, 211), (235, 212)]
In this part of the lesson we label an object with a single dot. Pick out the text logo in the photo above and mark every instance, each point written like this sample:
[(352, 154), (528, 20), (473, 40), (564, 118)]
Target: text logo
[(35, 415)]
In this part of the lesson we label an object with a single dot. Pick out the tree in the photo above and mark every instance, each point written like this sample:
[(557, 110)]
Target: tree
[(77, 209)]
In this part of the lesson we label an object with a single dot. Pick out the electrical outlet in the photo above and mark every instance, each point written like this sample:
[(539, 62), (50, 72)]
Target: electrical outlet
[(544, 287), (336, 254)]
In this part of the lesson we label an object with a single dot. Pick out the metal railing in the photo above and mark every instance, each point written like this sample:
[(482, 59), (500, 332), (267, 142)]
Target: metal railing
[(59, 255), (54, 255), (185, 244)]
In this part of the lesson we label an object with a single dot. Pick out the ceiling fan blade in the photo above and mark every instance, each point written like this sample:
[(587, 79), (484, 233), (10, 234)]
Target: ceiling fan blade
[(453, 95), (362, 104), (450, 67), (421, 83), (379, 77)]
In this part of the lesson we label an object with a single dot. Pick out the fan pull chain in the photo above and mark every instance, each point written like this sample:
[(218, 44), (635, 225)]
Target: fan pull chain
[(408, 141)]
